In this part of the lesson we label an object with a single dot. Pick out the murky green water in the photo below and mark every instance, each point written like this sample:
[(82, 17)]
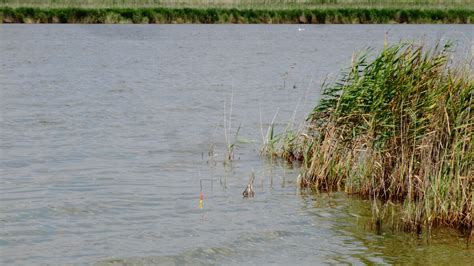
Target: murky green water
[(106, 132)]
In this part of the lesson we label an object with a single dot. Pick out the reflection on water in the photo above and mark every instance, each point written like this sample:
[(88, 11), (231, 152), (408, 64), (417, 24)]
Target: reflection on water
[(106, 132)]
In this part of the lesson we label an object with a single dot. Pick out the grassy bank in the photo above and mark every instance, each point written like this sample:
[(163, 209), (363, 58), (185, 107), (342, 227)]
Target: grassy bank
[(233, 15), (398, 128), (241, 4)]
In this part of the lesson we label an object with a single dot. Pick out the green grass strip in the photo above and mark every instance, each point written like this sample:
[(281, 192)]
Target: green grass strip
[(241, 16)]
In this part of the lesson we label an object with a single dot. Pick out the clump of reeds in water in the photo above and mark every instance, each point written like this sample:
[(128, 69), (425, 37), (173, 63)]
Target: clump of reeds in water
[(397, 128)]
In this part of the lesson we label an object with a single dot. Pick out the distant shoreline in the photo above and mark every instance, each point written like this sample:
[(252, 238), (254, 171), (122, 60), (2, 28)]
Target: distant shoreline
[(164, 15)]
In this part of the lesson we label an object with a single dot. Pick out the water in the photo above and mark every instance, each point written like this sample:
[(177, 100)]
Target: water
[(106, 132)]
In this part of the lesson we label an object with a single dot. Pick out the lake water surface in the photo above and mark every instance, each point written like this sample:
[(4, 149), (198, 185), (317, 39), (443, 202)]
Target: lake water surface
[(106, 132)]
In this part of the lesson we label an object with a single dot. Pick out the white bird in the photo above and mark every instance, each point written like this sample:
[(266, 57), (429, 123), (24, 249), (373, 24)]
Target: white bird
[(301, 29)]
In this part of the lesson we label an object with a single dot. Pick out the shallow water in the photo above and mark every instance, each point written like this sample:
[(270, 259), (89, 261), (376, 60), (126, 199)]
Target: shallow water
[(106, 132)]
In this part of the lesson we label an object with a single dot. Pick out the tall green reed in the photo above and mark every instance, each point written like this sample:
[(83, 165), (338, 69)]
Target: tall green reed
[(399, 128)]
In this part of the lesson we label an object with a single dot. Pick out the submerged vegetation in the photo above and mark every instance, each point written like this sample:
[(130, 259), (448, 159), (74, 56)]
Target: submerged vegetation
[(398, 128)]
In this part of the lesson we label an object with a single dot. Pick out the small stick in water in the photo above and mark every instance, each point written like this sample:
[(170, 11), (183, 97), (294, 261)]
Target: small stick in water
[(248, 192)]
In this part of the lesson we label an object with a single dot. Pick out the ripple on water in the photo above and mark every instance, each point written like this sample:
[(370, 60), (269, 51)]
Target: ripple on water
[(106, 130)]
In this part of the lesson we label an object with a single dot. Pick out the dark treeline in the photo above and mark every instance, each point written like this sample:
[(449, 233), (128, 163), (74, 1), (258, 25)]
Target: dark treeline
[(243, 16)]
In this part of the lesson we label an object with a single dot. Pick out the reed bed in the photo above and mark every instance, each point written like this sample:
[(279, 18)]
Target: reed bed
[(242, 16), (398, 128), (254, 4)]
